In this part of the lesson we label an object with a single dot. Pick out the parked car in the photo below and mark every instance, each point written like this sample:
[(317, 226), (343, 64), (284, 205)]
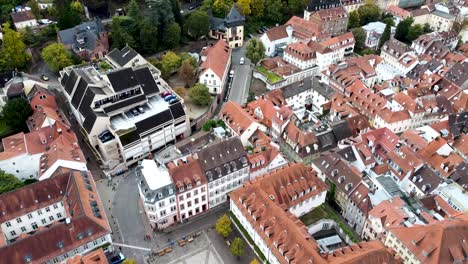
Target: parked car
[(169, 98), (103, 133), (242, 61), (231, 73), (259, 31), (44, 77), (134, 112), (250, 36), (173, 101), (141, 110), (117, 259), (166, 93), (265, 29)]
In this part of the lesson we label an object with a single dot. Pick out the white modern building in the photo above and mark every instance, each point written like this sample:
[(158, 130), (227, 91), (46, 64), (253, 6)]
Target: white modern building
[(126, 113), (374, 31)]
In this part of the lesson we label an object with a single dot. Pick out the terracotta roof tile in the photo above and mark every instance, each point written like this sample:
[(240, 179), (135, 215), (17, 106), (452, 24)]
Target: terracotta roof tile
[(217, 58)]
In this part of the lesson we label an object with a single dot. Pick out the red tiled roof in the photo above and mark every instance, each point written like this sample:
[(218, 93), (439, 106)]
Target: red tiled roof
[(95, 257), (190, 172), (363, 253), (236, 117), (398, 11), (217, 58), (72, 190), (324, 15), (276, 33), (441, 242), (22, 16)]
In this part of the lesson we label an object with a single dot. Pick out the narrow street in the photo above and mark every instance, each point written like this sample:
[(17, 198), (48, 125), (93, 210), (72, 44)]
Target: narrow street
[(242, 76)]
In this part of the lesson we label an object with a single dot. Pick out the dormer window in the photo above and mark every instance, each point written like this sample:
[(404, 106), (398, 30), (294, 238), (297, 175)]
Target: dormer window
[(294, 197), (189, 186), (181, 189), (198, 183)]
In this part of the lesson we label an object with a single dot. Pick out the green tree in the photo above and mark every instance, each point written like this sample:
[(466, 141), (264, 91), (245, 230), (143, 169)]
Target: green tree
[(185, 56), (354, 20), (254, 261), (389, 21), (198, 24), (359, 38), (223, 225), (14, 50), (9, 182), (237, 247), (207, 4), (35, 8), (29, 37), (148, 37), (274, 10), (222, 7), (296, 6), (56, 56), (172, 35), (29, 181), (119, 34), (385, 35), (414, 32), (187, 72), (255, 51), (427, 28), (67, 16), (76, 7), (403, 28), (207, 126), (134, 10), (170, 63), (257, 7), (244, 7), (15, 113), (161, 14), (369, 12), (200, 94)]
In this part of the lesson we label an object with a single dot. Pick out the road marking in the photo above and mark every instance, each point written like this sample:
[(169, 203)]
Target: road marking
[(213, 247), (134, 247)]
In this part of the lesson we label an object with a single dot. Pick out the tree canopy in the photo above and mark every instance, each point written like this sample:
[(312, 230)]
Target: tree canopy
[(172, 35), (13, 54), (354, 20), (244, 7), (257, 8), (369, 12), (274, 10), (359, 38), (15, 113), (255, 51), (56, 56), (237, 247), (385, 35), (403, 28), (200, 94), (186, 71), (223, 225), (222, 7), (9, 182), (198, 24)]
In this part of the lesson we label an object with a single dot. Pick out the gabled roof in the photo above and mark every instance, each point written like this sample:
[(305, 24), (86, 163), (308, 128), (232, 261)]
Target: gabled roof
[(441, 242), (22, 16), (217, 59), (88, 221)]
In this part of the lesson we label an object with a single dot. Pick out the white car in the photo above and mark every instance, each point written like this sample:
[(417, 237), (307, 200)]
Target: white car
[(231, 73), (242, 61)]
